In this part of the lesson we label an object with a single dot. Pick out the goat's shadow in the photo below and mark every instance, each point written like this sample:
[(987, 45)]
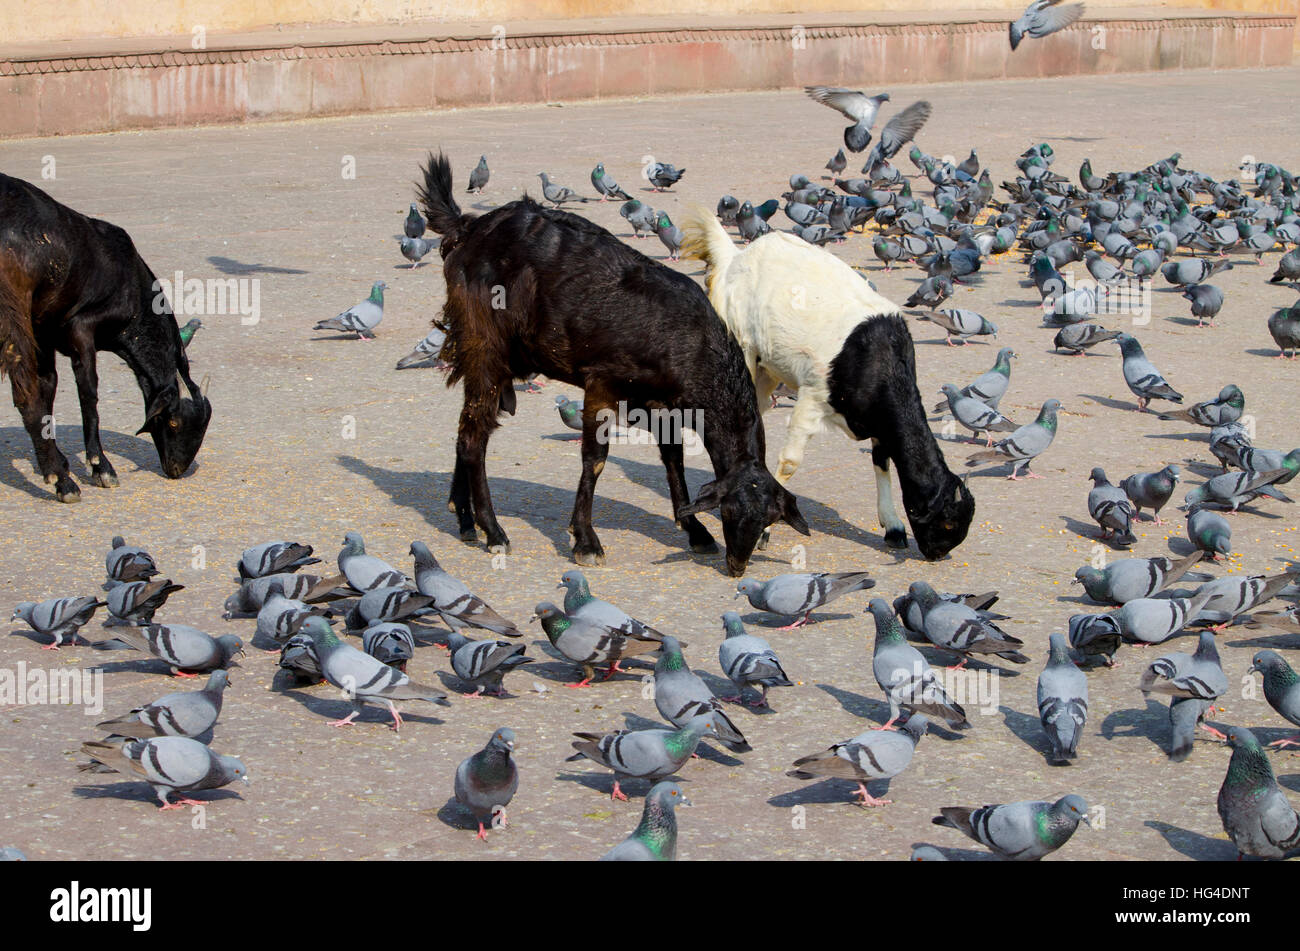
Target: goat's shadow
[(231, 266), (139, 452)]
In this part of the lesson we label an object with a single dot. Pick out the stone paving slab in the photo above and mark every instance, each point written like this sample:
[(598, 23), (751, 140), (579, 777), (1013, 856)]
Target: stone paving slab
[(269, 203)]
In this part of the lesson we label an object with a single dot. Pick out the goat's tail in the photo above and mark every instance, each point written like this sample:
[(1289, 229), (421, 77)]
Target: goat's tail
[(17, 344), (445, 217), (705, 239)]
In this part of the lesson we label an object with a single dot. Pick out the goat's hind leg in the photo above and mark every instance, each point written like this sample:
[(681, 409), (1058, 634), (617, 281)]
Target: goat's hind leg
[(102, 472), (470, 497), (38, 418), (672, 452), (895, 530), (587, 550)]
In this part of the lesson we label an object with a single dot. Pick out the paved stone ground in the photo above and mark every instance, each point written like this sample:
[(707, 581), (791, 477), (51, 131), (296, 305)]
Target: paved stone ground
[(269, 202)]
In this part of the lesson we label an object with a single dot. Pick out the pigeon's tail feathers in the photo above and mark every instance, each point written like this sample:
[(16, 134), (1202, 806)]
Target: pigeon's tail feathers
[(957, 817), (705, 239), (105, 755), (414, 691), (1181, 567), (1014, 656), (435, 194)]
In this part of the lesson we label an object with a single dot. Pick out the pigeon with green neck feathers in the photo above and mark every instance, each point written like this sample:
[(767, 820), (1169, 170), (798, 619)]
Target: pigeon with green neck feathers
[(1141, 375), (360, 319), (1151, 490), (1266, 460), (1020, 831), (990, 386), (579, 602), (486, 782), (414, 226), (189, 330), (680, 696), (587, 643), (1256, 814), (605, 184), (1225, 408), (1131, 578), (362, 678), (570, 413), (366, 572), (670, 235), (1284, 326), (749, 661), (642, 754), (960, 629), (1209, 531), (655, 837), (639, 215), (1281, 690), (875, 754), (478, 178), (1025, 444), (905, 676), (1235, 489)]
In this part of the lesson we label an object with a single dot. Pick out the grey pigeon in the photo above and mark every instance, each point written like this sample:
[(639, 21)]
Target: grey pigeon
[(414, 226), (858, 106), (897, 132), (570, 412), (366, 572), (1151, 490), (913, 618), (1131, 578), (484, 663), (905, 676), (605, 184), (1153, 620), (579, 601), (588, 643), (387, 604), (959, 628), (1210, 532), (128, 563), (1082, 336), (990, 386), (57, 617), (252, 594), (186, 650), (487, 781), (135, 602), (931, 292), (1284, 327), (1198, 678), (1021, 831), (728, 206), (1266, 460), (389, 642), (1256, 814), (639, 215), (1095, 636), (413, 249), (1142, 376), (273, 558), (875, 754), (1111, 509), (280, 617), (478, 178), (1183, 273), (1281, 690), (189, 330), (927, 853), (974, 415), (643, 754), (1227, 442), (557, 194), (1225, 408), (1234, 489), (190, 714), (298, 656), (750, 224), (964, 323), (170, 764), (1025, 444), (1234, 595), (1288, 267), (360, 319), (655, 837), (663, 175), (427, 353), (791, 595), (362, 678), (1062, 701), (1206, 300), (680, 696), (453, 601), (803, 214), (670, 235), (1043, 17), (749, 661), (837, 163)]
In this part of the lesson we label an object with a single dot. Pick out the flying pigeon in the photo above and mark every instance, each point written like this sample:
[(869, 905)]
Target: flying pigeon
[(858, 106), (1043, 17)]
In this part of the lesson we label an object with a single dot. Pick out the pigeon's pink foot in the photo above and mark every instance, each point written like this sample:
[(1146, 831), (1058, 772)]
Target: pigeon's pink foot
[(585, 682), (618, 793), (799, 623), (346, 721), (396, 725), (735, 699), (613, 669), (51, 647), (960, 665), (1033, 475), (887, 725), (181, 673), (1213, 732), (182, 803), (482, 833), (473, 696), (1289, 741), (869, 800)]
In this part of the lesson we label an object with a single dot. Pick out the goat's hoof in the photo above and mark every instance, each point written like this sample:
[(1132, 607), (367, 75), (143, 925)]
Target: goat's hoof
[(451, 506), (499, 548), (589, 558), (69, 496), (105, 480), (896, 538), (709, 547), (764, 540), (469, 536)]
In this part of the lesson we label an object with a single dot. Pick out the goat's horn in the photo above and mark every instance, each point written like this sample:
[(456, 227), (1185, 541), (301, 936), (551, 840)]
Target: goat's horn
[(203, 387), (182, 387)]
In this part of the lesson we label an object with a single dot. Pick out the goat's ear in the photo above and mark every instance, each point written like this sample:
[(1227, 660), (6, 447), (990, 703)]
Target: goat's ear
[(790, 513), (709, 497), (160, 403)]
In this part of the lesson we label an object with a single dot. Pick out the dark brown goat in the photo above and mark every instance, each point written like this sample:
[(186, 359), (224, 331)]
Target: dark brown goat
[(75, 285), (534, 290)]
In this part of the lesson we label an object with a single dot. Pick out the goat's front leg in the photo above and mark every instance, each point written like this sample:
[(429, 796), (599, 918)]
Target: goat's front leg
[(102, 472), (38, 419), (672, 452), (895, 530), (469, 486), (805, 419), (596, 435)]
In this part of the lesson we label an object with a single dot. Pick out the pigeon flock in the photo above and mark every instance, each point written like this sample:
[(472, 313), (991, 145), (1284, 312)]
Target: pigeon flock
[(371, 629)]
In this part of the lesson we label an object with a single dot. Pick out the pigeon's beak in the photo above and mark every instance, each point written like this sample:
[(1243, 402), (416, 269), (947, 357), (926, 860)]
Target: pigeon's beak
[(245, 780), (738, 594), (1076, 581), (560, 585), (1085, 820), (535, 617), (685, 802)]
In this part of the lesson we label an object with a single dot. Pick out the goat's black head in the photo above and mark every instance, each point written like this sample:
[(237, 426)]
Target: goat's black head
[(177, 418), (941, 523), (749, 500)]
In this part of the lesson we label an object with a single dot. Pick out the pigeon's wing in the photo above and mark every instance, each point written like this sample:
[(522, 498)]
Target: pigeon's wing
[(1054, 17), (900, 130), (848, 102)]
